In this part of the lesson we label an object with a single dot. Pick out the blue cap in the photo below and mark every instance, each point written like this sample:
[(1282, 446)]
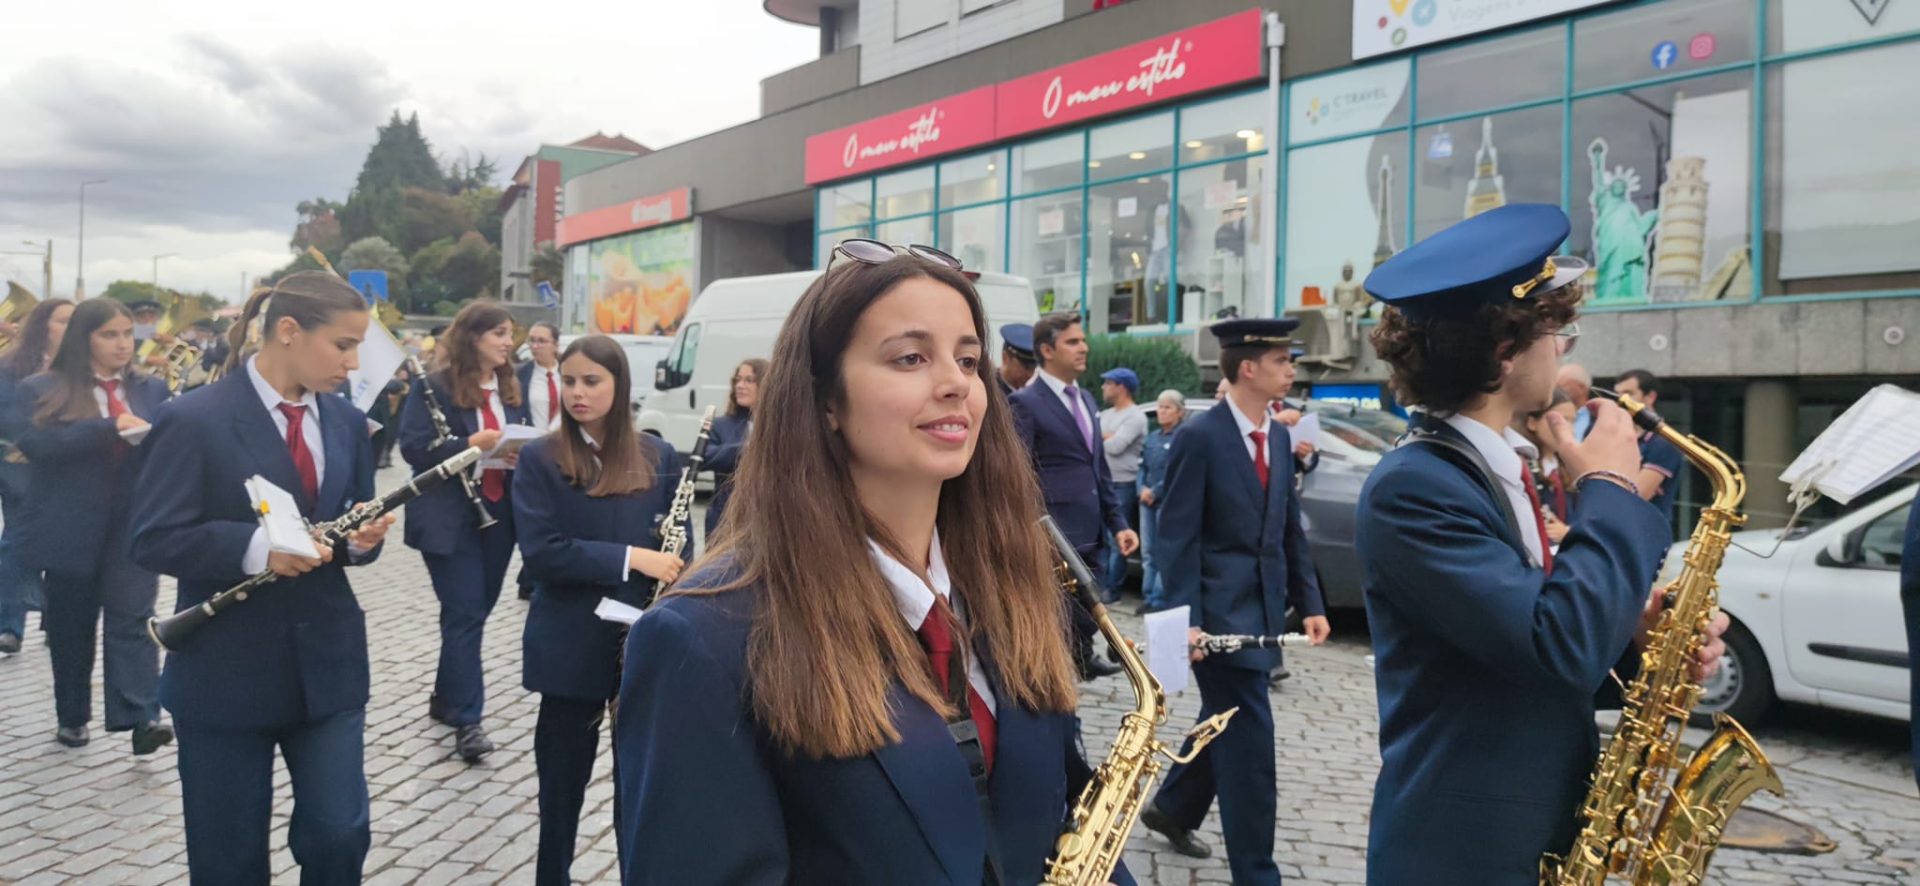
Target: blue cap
[(1123, 376), (1019, 337), (1497, 256), (1270, 332)]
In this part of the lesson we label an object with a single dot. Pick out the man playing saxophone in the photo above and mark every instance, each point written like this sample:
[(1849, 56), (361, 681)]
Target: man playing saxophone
[(1491, 645)]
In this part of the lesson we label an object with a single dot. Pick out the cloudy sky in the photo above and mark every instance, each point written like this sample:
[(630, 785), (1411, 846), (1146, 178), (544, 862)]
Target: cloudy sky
[(213, 118)]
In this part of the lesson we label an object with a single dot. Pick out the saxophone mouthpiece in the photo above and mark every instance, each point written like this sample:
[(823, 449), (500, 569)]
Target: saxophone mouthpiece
[(1643, 415)]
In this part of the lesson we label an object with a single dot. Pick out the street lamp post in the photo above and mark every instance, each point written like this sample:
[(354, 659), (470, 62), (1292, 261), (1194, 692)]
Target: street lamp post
[(80, 259), (46, 263), (156, 266)]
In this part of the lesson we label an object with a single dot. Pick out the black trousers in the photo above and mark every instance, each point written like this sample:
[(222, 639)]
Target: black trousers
[(121, 595), (1238, 767), (565, 740)]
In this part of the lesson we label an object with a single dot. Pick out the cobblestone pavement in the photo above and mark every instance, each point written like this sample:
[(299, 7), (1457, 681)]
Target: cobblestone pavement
[(98, 815)]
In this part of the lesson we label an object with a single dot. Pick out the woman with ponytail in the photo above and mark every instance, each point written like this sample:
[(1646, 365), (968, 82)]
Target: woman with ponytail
[(476, 388), (31, 351), (287, 669)]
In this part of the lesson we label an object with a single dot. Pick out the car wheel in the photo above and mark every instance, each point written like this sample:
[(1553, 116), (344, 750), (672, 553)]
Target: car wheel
[(1742, 688)]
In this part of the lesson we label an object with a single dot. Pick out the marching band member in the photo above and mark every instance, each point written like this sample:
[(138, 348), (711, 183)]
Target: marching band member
[(784, 713), (587, 503), (728, 437), (480, 395), (540, 376), (1491, 646), (288, 669), (32, 351), (69, 420)]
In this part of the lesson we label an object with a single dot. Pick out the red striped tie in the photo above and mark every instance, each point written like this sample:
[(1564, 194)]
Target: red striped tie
[(1539, 519)]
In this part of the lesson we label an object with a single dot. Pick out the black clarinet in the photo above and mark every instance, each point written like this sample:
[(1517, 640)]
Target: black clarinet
[(444, 434), (174, 630), (672, 527), (1216, 644)]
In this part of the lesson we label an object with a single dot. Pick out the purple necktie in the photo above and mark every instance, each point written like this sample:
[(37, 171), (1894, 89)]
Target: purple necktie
[(1079, 416)]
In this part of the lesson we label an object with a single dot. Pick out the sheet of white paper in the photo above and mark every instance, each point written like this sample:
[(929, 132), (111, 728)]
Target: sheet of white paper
[(280, 515), (512, 437), (616, 611), (1877, 438), (373, 427), (133, 436), (1167, 647), (1307, 431), (380, 358)]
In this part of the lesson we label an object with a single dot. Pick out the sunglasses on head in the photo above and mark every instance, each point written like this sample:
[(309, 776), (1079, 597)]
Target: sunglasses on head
[(874, 252)]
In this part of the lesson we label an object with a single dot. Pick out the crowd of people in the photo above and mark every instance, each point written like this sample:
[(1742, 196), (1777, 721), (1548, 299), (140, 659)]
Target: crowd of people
[(867, 673)]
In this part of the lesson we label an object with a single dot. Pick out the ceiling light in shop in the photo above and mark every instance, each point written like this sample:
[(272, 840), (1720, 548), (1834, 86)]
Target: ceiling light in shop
[(1093, 164), (1246, 133), (1143, 181), (1137, 155), (1196, 143), (1240, 200)]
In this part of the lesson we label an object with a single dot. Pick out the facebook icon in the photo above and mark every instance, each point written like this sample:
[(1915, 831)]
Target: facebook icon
[(1665, 54)]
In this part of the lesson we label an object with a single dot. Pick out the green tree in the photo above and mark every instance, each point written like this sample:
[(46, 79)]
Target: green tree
[(472, 267), (1159, 361), (427, 216), (483, 212), (375, 254), (548, 265), (127, 292)]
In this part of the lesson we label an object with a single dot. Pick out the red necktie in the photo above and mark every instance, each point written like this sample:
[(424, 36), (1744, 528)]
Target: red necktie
[(553, 398), (1539, 519), (115, 408), (297, 448), (1260, 455), (937, 636), (493, 481)]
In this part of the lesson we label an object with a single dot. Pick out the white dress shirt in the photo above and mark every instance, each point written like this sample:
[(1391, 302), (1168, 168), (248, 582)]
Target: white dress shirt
[(1069, 394), (255, 559), (1503, 450), (100, 394), (492, 387), (538, 403), (1247, 427), (915, 599)]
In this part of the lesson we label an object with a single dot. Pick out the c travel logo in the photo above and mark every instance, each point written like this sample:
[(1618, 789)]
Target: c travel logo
[(1405, 13), (1340, 108)]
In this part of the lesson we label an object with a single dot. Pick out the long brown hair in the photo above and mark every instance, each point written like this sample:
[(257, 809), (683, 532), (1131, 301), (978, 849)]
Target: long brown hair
[(24, 356), (71, 398), (623, 465), (459, 352), (309, 298), (827, 641), (759, 368)]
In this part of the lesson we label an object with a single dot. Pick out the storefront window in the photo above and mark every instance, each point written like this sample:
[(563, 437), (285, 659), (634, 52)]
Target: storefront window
[(847, 204), (830, 239), (1130, 147), (1660, 191), (1469, 166), (1350, 102), (1662, 39), (974, 179), (1222, 253), (1046, 248), (1493, 73), (641, 283), (904, 193), (1130, 252), (1346, 213), (974, 236), (906, 231), (1797, 25), (1843, 194), (1049, 164), (1226, 128)]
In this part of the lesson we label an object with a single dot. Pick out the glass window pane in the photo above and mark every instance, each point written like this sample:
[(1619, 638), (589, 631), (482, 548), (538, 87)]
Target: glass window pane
[(847, 204), (906, 232), (911, 17), (1046, 249), (1470, 166), (904, 193), (1493, 73), (1224, 128), (1129, 253), (1346, 213), (1660, 191), (1131, 147), (1660, 39), (1045, 165), (1221, 244), (974, 236), (1843, 192), (1360, 100), (1796, 25), (974, 179)]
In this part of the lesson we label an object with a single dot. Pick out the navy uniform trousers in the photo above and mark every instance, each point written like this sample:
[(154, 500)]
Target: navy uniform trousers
[(118, 595), (226, 791), (468, 582), (1237, 768)]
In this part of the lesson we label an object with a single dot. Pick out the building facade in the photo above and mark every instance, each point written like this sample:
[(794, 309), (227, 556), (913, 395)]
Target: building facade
[(534, 202)]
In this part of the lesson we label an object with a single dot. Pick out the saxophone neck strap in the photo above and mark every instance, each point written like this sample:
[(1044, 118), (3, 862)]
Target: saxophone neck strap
[(966, 737), (1464, 456)]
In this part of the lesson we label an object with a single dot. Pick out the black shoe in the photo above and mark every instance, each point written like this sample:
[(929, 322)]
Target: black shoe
[(1146, 609), (435, 712), (526, 592), (150, 737), (1097, 668), (1184, 841), (9, 643), (72, 736), (1278, 675), (385, 463), (472, 743)]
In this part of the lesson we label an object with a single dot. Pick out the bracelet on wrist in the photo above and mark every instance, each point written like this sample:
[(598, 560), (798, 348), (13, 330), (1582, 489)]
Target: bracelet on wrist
[(1615, 477)]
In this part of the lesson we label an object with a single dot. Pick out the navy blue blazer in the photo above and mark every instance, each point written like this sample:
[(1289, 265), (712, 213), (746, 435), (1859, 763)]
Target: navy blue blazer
[(1232, 551), (707, 799), (296, 650), (88, 483), (574, 547), (14, 475), (724, 445), (1910, 603), (1487, 668), (1074, 479), (437, 520)]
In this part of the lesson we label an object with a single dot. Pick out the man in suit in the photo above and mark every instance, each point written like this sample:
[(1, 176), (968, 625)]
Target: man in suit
[(1910, 604), (1233, 550), (1491, 645), (1055, 419), (1017, 362)]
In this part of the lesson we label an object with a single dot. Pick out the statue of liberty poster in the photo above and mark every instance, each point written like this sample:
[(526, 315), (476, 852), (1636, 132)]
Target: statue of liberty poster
[(1622, 243)]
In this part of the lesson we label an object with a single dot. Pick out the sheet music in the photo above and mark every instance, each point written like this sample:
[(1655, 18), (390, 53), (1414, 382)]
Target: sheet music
[(1307, 431), (135, 435), (280, 516), (1877, 438), (1167, 648), (380, 358), (512, 437), (615, 611)]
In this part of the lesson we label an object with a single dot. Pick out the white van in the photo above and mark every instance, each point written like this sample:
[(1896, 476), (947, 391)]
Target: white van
[(738, 319)]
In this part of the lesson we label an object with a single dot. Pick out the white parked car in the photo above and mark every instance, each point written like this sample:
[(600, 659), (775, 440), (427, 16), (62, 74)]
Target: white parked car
[(1819, 623)]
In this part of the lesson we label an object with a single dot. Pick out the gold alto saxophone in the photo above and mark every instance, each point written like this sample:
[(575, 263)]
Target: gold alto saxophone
[(1104, 815), (1641, 821)]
